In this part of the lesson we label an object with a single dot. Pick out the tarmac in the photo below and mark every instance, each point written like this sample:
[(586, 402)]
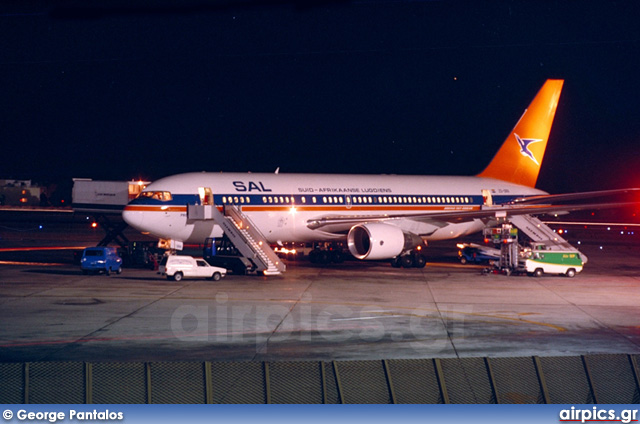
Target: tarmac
[(356, 310)]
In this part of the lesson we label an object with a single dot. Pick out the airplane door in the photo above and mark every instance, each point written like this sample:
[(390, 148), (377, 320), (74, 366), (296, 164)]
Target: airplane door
[(206, 195), (348, 201), (487, 199)]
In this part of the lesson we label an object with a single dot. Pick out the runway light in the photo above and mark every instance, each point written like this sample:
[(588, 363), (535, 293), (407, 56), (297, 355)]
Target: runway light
[(94, 225)]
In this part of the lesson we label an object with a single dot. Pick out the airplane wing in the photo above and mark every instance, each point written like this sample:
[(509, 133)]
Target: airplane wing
[(568, 197), (486, 212)]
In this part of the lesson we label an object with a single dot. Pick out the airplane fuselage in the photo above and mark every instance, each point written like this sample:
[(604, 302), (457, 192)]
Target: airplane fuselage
[(282, 206)]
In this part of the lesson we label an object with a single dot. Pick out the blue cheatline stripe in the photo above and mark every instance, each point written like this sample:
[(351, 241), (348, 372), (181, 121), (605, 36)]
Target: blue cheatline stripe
[(176, 200), (328, 199)]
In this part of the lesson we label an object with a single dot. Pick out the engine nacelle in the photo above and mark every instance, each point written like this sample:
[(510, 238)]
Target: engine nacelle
[(380, 241)]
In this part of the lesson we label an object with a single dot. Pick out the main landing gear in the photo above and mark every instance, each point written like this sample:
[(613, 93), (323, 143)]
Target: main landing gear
[(413, 259), (325, 256)]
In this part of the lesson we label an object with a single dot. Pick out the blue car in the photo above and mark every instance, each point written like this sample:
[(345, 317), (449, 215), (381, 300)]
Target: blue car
[(101, 259)]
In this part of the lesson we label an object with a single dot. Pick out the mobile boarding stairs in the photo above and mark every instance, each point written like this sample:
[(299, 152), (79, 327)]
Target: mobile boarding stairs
[(244, 235), (538, 232)]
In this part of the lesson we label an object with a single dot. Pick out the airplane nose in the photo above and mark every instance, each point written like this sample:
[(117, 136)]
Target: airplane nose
[(133, 218)]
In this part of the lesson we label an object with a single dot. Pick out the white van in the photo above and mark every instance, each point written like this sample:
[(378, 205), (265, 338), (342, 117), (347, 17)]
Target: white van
[(177, 267)]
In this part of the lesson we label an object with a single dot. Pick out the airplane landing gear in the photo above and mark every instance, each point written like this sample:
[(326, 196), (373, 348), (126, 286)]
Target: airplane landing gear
[(413, 259), (324, 256)]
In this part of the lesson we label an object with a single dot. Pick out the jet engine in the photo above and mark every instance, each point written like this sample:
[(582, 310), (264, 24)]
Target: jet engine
[(380, 241)]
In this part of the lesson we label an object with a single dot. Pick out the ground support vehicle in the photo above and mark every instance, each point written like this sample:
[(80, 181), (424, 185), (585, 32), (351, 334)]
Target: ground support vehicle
[(177, 267), (101, 259), (543, 262)]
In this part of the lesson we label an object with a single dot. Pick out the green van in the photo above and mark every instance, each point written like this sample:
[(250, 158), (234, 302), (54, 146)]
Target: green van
[(565, 262)]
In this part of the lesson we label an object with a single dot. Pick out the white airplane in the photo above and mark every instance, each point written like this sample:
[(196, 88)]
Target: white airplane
[(380, 216)]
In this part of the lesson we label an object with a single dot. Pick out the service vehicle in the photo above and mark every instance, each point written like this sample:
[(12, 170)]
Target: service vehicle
[(544, 260), (177, 267), (101, 259), (475, 253)]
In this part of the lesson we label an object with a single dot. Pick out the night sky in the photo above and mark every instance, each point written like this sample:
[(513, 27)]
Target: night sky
[(122, 90)]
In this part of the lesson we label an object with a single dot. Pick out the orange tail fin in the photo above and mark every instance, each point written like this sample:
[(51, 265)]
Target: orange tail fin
[(519, 159)]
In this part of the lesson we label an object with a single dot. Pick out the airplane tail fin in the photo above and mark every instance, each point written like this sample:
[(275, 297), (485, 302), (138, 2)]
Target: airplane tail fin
[(519, 159)]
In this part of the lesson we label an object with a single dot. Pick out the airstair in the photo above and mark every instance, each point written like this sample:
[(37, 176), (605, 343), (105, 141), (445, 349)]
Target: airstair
[(541, 234), (244, 235), (542, 238)]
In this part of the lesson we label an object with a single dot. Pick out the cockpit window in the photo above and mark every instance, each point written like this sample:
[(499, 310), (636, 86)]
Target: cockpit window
[(163, 196)]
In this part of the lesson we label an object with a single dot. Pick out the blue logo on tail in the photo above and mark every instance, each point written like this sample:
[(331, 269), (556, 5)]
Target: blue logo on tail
[(524, 147)]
